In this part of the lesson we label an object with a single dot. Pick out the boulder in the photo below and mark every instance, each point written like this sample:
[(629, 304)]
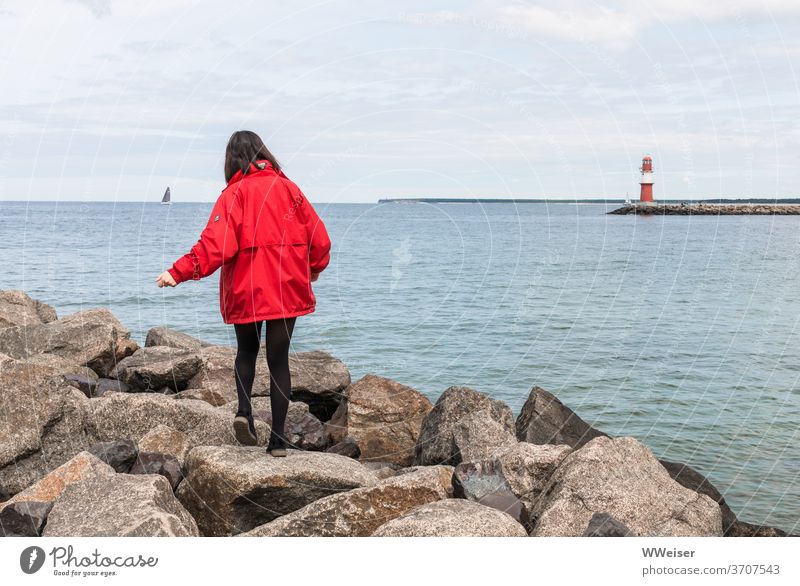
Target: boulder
[(81, 467), (383, 417), (24, 519), (230, 490), (478, 437), (154, 367), (436, 441), (544, 419), (116, 416), (216, 371), (162, 336), (693, 480), (18, 309), (359, 512), (93, 338), (303, 430), (452, 518), (119, 454), (85, 384), (165, 440), (41, 424), (155, 463), (512, 480), (605, 525), (383, 470), (621, 477), (119, 505), (347, 447)]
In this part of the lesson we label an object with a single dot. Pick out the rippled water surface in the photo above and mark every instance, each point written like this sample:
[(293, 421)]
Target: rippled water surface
[(680, 331)]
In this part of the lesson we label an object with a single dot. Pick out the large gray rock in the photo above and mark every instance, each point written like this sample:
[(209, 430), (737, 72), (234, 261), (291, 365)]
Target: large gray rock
[(155, 367), (164, 440), (230, 490), (93, 338), (436, 442), (621, 477), (18, 309), (162, 336), (359, 512), (116, 416), (119, 505), (383, 417), (478, 437), (80, 467), (452, 518), (511, 481), (690, 478), (544, 419), (41, 424)]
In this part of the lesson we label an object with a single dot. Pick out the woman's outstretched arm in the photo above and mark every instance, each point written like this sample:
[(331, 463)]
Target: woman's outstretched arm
[(218, 244)]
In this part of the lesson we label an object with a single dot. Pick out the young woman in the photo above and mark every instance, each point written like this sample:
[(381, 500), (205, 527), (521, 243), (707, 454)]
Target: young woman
[(271, 245)]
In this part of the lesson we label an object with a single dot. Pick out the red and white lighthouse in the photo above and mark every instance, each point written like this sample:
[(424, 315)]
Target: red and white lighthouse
[(647, 179)]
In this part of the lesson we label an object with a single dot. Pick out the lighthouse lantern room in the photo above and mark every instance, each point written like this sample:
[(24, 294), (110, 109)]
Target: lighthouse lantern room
[(647, 179)]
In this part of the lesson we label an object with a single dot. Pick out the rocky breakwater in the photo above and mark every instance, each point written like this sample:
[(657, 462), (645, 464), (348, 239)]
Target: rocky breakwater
[(99, 437), (708, 209)]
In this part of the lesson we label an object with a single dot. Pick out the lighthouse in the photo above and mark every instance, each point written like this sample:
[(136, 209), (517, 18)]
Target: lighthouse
[(647, 180)]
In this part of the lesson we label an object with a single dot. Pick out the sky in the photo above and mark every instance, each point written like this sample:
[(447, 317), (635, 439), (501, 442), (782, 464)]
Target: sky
[(112, 100)]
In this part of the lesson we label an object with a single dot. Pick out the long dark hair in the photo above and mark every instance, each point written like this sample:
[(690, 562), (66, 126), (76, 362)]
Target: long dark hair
[(245, 147)]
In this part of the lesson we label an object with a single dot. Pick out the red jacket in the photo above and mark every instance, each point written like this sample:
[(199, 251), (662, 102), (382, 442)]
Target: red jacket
[(268, 240)]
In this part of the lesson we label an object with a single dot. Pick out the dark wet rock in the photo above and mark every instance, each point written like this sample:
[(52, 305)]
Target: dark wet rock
[(155, 463), (162, 336), (436, 442), (230, 490), (383, 417), (605, 525), (693, 480), (742, 529), (18, 309), (544, 419), (347, 447), (41, 423), (165, 440), (621, 477), (119, 505), (359, 512), (452, 518), (24, 519), (155, 367), (93, 338), (84, 384), (110, 384), (119, 454)]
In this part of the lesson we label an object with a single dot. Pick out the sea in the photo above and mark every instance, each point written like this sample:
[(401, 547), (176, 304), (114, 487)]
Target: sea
[(681, 331)]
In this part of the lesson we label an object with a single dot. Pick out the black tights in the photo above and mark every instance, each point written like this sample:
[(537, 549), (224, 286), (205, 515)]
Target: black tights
[(248, 340)]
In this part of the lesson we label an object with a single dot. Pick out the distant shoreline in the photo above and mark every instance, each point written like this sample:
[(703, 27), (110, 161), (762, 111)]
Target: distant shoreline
[(794, 200)]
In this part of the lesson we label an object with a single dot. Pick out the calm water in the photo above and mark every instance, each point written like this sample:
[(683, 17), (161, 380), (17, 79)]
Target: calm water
[(680, 331)]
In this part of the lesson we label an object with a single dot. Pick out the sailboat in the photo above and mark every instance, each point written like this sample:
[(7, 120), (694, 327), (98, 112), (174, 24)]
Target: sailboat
[(165, 200)]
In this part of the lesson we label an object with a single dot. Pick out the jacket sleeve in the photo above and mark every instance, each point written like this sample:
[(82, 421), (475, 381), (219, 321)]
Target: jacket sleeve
[(319, 243), (218, 242)]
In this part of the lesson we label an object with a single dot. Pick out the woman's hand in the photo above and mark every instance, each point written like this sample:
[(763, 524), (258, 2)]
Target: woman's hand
[(314, 277), (165, 280)]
